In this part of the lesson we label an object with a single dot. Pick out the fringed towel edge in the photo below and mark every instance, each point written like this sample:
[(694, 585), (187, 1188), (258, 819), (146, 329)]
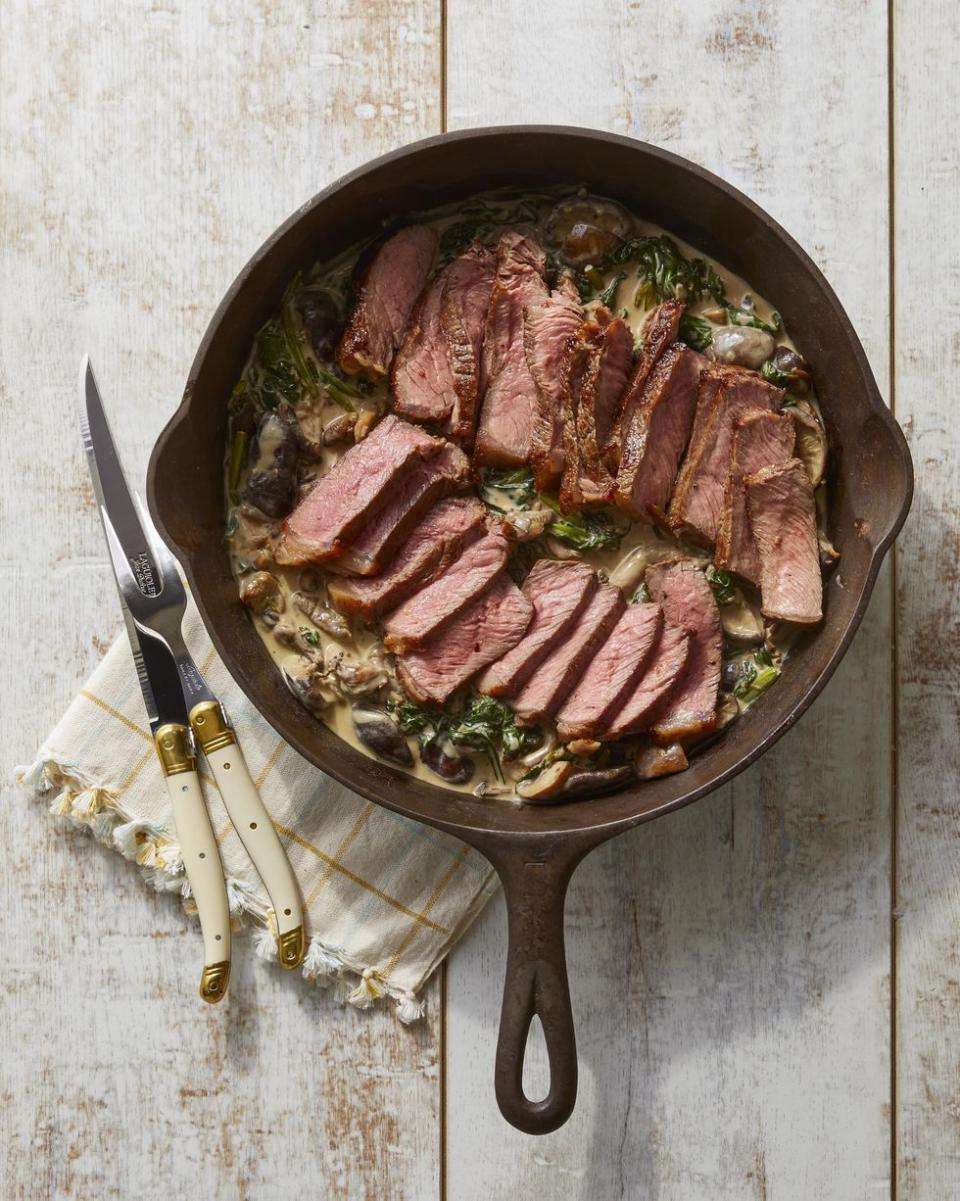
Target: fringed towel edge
[(85, 804)]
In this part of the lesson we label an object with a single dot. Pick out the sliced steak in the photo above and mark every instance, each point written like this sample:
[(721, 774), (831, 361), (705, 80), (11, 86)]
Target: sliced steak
[(484, 631), (357, 486), (387, 282), (662, 676), (598, 374), (657, 434), (613, 675), (420, 617), (725, 394), (510, 401), (422, 485), (559, 673), (559, 591), (688, 601), (760, 439), (463, 314), (423, 557), (549, 332), (659, 331), (784, 526), (421, 377)]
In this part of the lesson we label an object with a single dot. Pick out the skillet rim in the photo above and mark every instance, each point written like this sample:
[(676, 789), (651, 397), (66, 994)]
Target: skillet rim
[(585, 832)]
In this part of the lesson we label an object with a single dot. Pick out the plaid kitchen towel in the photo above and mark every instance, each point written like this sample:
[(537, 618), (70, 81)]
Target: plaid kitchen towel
[(385, 898)]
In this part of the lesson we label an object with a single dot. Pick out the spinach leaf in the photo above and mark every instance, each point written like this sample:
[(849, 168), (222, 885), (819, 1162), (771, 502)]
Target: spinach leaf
[(489, 724), (723, 589), (695, 331), (760, 672), (516, 482), (582, 530), (609, 293)]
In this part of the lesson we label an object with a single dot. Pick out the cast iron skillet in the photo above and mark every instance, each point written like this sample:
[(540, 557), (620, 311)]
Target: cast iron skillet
[(535, 849)]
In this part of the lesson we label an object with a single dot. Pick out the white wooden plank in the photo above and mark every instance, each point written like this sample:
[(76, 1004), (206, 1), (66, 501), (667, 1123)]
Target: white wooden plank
[(927, 165), (147, 149), (730, 965)]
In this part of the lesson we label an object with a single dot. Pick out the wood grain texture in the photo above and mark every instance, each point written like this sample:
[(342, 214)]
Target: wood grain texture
[(730, 965), (147, 148), (926, 65)]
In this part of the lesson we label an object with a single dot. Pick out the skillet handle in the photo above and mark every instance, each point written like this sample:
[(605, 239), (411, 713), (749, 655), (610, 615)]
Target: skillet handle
[(535, 883)]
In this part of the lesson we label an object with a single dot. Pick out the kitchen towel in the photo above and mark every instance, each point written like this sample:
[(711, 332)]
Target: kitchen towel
[(385, 898)]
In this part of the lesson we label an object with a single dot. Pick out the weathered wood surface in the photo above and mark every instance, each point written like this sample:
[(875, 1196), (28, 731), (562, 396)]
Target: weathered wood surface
[(730, 966), (926, 203), (147, 150)]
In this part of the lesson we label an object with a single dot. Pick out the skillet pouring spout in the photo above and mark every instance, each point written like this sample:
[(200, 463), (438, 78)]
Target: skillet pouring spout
[(534, 848)]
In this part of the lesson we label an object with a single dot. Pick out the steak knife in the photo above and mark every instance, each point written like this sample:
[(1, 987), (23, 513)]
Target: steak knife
[(153, 602)]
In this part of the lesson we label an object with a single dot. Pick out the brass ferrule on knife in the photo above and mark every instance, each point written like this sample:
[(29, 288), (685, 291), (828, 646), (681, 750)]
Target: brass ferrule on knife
[(210, 726), (213, 982), (175, 748)]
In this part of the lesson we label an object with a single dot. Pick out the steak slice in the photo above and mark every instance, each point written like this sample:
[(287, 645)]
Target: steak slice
[(688, 601), (558, 674), (484, 631), (659, 331), (422, 485), (760, 439), (613, 674), (784, 526), (387, 282), (510, 402), (426, 554), (657, 434), (421, 377), (725, 394), (549, 331), (663, 674), (357, 486), (420, 617), (559, 591), (597, 376), (463, 313)]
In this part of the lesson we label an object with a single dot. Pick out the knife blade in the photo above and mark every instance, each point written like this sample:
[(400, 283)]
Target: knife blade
[(140, 580)]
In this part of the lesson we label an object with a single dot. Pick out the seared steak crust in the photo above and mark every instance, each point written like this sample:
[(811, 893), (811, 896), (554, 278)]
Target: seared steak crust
[(549, 331), (463, 314), (659, 331)]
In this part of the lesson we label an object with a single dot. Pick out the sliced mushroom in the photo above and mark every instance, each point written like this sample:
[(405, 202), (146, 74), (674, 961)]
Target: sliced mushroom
[(272, 482), (340, 429), (650, 762), (547, 785), (585, 229), (365, 422), (360, 677), (629, 572), (262, 595), (595, 783), (307, 680), (583, 746), (728, 710), (560, 550), (742, 345), (322, 614), (527, 524), (443, 758), (779, 638), (381, 734), (741, 620), (321, 321), (811, 444), (299, 638), (787, 362)]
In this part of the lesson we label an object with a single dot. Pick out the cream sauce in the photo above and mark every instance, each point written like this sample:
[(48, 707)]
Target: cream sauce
[(249, 544)]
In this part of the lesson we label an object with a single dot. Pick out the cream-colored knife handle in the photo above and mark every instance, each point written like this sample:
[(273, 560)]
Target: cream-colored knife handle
[(251, 820), (201, 857)]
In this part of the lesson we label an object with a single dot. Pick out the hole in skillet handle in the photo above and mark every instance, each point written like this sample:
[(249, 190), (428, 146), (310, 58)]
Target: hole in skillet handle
[(535, 885)]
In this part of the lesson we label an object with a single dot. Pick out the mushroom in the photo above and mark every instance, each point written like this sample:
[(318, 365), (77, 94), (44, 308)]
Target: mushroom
[(594, 783), (272, 483), (320, 318), (653, 761), (307, 680), (443, 758), (360, 677), (527, 524), (787, 362), (583, 746), (381, 734), (560, 550), (340, 429), (629, 572), (365, 422), (741, 621), (585, 229), (811, 443), (322, 614), (742, 345), (262, 595), (547, 785), (728, 710)]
